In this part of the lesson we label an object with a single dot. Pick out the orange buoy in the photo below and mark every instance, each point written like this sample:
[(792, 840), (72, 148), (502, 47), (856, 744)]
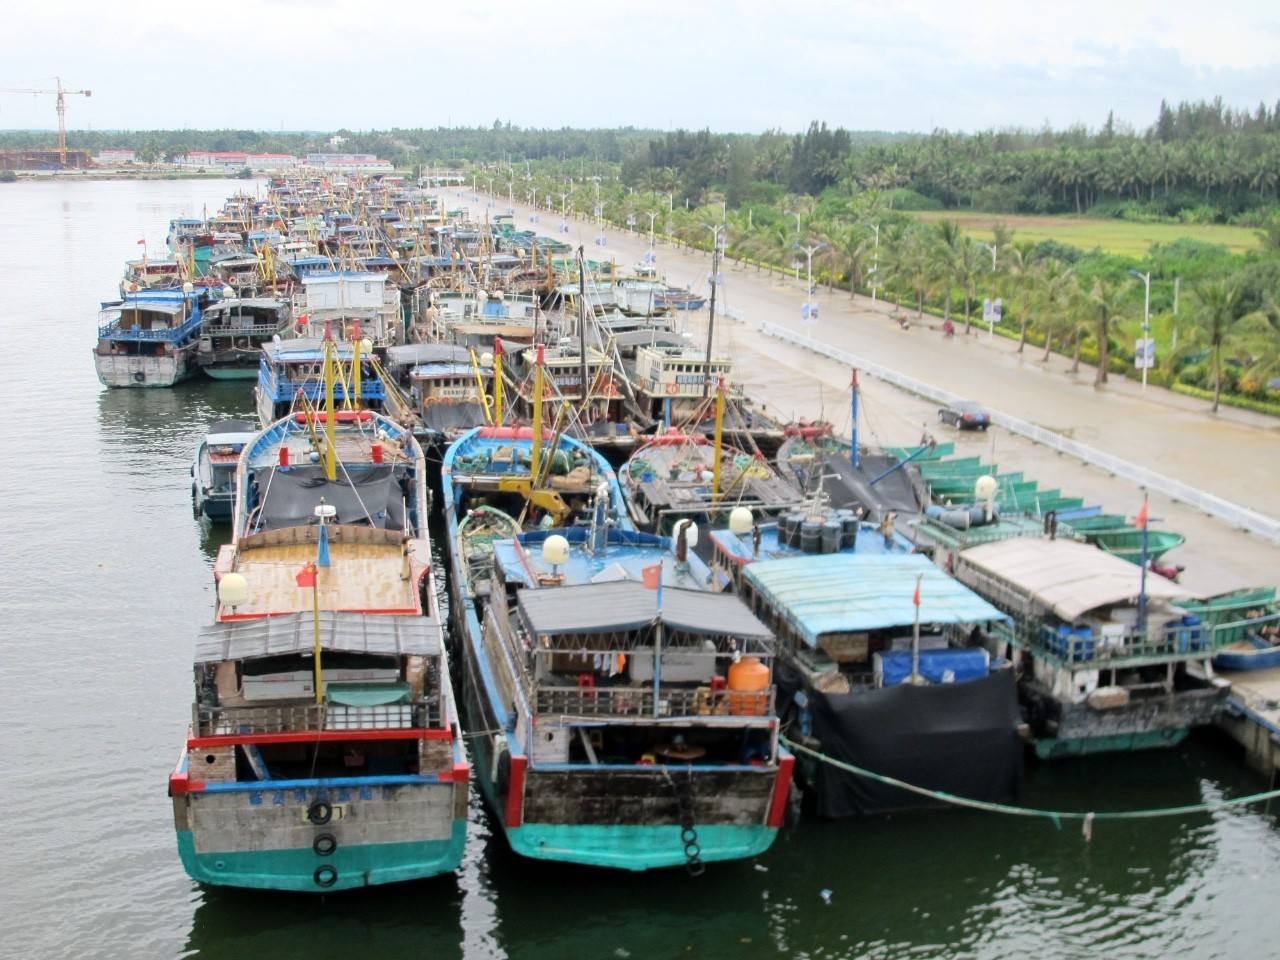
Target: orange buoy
[(748, 679)]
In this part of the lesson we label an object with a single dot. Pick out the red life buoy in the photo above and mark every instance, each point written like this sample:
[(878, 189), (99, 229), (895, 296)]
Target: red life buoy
[(672, 389)]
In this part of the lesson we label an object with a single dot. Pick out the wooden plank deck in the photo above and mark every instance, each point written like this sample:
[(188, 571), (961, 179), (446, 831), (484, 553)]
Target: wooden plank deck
[(363, 576)]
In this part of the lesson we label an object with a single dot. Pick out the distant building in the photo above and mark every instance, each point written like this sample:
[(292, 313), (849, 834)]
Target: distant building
[(348, 163), (116, 158)]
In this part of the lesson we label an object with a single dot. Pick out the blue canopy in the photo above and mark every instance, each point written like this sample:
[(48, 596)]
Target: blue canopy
[(840, 593)]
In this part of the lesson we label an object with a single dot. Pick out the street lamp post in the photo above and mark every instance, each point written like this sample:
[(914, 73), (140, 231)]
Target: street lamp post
[(1147, 353), (992, 248), (875, 267), (808, 310)]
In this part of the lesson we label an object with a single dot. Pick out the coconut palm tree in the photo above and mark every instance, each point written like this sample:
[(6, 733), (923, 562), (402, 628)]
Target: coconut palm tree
[(1058, 292), (1105, 304), (1222, 323)]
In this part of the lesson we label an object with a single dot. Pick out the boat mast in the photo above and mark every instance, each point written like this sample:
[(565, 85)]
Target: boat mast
[(535, 462), (582, 322), (717, 447), (711, 315)]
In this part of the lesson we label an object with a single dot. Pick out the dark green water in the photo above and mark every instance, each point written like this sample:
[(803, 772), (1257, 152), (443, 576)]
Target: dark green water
[(105, 578)]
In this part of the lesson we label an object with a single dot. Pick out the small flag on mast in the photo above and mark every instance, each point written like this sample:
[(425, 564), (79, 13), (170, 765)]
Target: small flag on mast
[(1141, 521), (915, 597), (306, 577), (142, 242)]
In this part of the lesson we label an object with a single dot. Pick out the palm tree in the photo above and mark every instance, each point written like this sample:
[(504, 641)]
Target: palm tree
[(1221, 322), (970, 262), (1019, 260), (1058, 294), (944, 257), (1104, 306)]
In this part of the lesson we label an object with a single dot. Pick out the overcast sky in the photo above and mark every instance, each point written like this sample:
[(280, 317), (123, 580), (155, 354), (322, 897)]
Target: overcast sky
[(899, 65)]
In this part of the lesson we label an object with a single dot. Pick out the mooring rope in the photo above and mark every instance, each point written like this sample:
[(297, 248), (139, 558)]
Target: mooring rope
[(1057, 816)]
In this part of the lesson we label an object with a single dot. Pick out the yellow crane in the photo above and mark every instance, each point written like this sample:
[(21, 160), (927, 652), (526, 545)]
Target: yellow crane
[(62, 111)]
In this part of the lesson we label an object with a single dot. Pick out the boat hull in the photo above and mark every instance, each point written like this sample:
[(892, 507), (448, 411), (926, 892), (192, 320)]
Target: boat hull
[(260, 838), (138, 371), (1068, 729)]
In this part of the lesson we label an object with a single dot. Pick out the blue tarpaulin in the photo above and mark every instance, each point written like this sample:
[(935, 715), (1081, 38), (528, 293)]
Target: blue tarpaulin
[(841, 593)]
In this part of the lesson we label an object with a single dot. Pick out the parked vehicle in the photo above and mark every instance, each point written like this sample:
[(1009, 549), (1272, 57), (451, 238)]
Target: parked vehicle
[(965, 415)]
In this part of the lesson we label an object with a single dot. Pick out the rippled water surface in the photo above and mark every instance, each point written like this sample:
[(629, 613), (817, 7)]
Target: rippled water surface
[(105, 578)]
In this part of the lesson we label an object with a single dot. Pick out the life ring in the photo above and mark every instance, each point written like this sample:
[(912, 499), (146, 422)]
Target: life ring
[(325, 876), (325, 844), (139, 377), (672, 389), (242, 343), (587, 684), (320, 812)]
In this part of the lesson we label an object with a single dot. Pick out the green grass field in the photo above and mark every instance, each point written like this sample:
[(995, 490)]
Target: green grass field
[(1111, 236)]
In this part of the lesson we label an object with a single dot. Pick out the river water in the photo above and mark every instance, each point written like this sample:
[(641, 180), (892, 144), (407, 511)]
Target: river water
[(105, 578)]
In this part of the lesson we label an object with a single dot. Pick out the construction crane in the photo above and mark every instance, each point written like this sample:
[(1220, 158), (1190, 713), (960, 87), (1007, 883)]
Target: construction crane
[(62, 111)]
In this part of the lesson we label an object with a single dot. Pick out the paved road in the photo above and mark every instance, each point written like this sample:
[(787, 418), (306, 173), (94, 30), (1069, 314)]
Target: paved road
[(1233, 454)]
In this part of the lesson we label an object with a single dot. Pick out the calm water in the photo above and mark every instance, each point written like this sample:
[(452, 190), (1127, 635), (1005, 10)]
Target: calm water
[(105, 578)]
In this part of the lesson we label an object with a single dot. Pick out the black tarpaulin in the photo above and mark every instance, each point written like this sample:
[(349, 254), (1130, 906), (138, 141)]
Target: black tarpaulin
[(958, 738), (372, 495)]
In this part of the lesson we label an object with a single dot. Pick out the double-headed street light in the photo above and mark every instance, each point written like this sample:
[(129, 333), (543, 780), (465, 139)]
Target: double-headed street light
[(1148, 353), (809, 312), (992, 247)]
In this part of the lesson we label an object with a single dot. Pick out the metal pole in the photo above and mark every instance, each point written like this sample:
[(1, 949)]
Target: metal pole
[(1146, 346), (853, 436)]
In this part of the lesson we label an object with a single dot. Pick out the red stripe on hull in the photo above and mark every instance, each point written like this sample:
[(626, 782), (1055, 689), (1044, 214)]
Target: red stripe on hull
[(515, 792), (781, 789), (195, 743)]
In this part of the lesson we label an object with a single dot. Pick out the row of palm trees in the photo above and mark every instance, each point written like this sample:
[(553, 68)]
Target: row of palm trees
[(870, 248)]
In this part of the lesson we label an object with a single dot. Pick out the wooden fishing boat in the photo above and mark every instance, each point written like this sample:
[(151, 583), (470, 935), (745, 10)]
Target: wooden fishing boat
[(149, 338), (232, 333), (213, 473), (1127, 542), (1107, 661), (325, 751)]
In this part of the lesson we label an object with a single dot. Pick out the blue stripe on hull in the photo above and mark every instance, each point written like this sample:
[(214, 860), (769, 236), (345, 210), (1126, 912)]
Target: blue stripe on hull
[(356, 866), (636, 847)]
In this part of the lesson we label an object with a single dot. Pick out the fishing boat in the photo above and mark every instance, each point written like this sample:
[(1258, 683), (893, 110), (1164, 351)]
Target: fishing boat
[(678, 299), (1107, 662), (213, 473), (151, 274), (1130, 543), (351, 305), (680, 474), (878, 662), (291, 374), (149, 338), (232, 333), (1243, 627), (632, 710), (325, 751), (448, 386)]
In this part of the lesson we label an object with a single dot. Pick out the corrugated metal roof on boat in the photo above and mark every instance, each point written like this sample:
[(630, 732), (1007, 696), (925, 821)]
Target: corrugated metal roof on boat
[(829, 593), (627, 605), (294, 633), (1067, 577)]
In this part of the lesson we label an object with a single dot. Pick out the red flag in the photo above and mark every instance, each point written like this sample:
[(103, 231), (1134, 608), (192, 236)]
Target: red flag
[(142, 242), (915, 597), (1141, 521), (306, 577)]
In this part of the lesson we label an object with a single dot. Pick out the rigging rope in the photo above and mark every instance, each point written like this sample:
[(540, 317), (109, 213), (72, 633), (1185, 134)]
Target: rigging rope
[(1057, 816)]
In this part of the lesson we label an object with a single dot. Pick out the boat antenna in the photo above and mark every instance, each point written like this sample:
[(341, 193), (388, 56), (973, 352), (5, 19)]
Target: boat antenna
[(582, 320)]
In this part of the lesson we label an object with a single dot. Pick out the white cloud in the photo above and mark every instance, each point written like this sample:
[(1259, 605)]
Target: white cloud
[(909, 64)]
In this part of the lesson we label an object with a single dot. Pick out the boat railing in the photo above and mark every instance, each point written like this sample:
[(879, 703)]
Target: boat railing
[(210, 721), (110, 327), (635, 702), (264, 330), (1082, 647)]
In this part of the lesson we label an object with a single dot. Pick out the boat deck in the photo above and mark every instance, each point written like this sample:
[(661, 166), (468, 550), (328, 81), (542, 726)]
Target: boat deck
[(371, 577)]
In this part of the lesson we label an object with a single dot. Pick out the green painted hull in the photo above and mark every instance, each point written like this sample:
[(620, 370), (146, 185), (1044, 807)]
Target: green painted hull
[(231, 373), (634, 847), (1059, 748), (355, 866)]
